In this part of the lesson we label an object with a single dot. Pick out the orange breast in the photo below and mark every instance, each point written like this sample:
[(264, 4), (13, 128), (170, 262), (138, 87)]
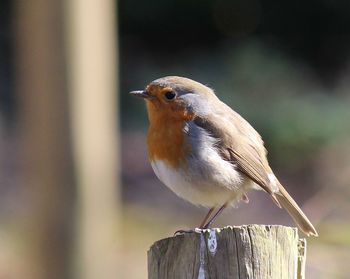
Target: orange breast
[(166, 138)]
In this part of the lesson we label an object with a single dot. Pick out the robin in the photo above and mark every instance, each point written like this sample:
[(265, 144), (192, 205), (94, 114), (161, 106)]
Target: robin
[(206, 152)]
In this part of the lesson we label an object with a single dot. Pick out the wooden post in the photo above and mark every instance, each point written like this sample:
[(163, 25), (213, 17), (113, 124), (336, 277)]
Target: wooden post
[(252, 251)]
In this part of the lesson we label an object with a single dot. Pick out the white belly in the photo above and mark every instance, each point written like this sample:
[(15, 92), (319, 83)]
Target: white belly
[(205, 178), (200, 190)]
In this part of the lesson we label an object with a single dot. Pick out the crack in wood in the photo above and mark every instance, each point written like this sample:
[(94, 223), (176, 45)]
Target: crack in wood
[(254, 251)]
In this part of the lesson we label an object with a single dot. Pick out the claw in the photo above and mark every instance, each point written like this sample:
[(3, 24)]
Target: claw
[(183, 231)]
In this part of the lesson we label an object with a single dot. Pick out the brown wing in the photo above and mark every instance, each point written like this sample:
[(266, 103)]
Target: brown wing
[(245, 164), (238, 143)]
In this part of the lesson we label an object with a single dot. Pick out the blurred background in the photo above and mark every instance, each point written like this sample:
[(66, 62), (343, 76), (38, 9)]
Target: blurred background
[(78, 198)]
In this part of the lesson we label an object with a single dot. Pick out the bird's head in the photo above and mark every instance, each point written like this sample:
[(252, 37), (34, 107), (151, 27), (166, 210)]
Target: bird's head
[(177, 98)]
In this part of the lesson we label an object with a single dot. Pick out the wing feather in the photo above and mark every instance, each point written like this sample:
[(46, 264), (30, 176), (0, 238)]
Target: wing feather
[(239, 143)]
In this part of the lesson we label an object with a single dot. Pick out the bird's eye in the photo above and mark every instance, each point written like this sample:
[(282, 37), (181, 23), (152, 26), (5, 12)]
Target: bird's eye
[(170, 95)]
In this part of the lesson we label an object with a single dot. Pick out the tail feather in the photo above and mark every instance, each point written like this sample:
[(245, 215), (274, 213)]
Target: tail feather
[(287, 202)]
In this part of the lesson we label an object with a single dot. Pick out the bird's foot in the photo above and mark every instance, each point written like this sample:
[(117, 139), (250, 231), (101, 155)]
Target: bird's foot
[(183, 232), (188, 231)]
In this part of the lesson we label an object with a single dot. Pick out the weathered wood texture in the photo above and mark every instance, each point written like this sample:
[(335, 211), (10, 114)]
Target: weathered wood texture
[(253, 251)]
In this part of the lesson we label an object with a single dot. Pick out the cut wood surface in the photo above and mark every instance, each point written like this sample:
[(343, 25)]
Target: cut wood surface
[(249, 251)]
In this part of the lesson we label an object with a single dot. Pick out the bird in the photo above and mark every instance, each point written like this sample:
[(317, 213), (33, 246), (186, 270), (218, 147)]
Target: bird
[(207, 153)]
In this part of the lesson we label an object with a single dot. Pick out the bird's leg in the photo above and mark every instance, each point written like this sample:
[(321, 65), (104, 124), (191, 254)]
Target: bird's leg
[(201, 226), (211, 220)]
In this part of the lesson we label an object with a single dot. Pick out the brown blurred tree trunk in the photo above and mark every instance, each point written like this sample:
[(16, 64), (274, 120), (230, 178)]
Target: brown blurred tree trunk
[(92, 52), (43, 116)]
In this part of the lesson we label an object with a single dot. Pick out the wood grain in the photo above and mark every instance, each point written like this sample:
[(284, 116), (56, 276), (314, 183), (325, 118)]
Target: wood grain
[(249, 251)]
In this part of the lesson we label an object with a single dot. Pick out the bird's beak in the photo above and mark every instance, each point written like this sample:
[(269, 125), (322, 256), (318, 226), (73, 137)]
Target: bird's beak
[(140, 93)]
